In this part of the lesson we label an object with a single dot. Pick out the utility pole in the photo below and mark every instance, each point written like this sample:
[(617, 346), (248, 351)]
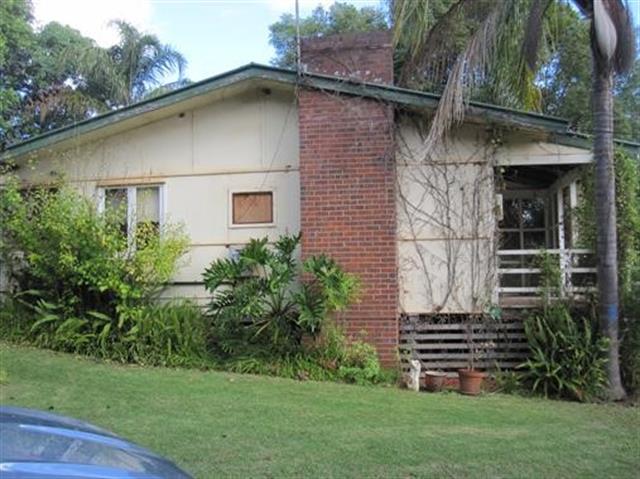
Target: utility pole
[(298, 60)]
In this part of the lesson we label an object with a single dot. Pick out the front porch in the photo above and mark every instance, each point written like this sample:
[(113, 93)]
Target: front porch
[(536, 215)]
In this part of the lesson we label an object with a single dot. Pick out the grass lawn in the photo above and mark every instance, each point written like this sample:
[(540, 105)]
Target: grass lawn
[(225, 425)]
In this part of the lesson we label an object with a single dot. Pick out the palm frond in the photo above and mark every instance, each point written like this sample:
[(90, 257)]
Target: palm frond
[(467, 71)]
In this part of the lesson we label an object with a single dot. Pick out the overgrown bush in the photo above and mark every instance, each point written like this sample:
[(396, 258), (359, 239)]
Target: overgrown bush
[(261, 305), (168, 334), (332, 357), (272, 315), (628, 228), (360, 364), (80, 285), (567, 355), (55, 242), (630, 336)]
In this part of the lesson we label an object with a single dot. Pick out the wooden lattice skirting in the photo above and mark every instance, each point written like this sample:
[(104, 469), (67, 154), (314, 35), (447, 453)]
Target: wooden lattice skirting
[(442, 342)]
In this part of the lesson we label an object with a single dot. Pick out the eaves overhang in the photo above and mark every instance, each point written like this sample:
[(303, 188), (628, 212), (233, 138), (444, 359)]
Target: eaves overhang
[(557, 128)]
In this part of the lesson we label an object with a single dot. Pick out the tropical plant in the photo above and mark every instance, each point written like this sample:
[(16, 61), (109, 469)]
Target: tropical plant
[(132, 68), (628, 229), (257, 303), (503, 48), (169, 334), (165, 334), (567, 356), (53, 75), (331, 357)]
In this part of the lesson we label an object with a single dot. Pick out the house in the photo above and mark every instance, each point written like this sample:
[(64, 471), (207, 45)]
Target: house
[(337, 152)]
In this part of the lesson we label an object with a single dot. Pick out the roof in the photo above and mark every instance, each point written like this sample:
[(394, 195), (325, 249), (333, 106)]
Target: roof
[(557, 127)]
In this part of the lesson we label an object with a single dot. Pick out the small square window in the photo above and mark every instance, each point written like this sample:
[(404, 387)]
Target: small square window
[(252, 208)]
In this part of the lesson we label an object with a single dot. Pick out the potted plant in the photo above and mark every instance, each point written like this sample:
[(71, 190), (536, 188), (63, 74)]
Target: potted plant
[(434, 380), (470, 379)]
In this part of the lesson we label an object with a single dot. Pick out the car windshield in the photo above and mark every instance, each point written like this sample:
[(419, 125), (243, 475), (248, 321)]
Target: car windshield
[(47, 444), (29, 443)]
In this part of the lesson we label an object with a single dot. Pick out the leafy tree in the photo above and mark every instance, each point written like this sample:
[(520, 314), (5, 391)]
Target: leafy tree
[(56, 93), (129, 70), (627, 105), (562, 81), (16, 41), (55, 76), (564, 76), (338, 18), (503, 48)]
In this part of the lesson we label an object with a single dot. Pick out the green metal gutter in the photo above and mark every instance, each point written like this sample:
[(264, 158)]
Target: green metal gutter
[(559, 128)]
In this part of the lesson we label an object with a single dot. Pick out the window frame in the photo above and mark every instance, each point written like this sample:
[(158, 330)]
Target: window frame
[(132, 190), (265, 189), (521, 230)]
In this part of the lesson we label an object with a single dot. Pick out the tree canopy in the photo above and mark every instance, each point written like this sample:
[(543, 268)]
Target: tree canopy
[(53, 76), (338, 18), (563, 68)]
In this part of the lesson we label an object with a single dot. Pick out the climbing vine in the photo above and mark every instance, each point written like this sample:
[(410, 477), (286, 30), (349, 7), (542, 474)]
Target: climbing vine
[(628, 226), (628, 220)]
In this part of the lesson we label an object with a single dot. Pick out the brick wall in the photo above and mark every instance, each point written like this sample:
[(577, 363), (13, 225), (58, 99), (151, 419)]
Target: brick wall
[(359, 56), (347, 177)]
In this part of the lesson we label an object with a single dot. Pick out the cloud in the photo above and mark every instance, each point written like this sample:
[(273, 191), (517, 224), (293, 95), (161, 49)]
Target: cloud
[(91, 17)]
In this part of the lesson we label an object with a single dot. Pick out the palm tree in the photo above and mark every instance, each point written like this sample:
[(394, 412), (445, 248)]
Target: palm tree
[(128, 71), (104, 79), (500, 44)]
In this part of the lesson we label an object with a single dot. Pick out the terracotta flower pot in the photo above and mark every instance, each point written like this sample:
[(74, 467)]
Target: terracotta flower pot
[(471, 381), (434, 380)]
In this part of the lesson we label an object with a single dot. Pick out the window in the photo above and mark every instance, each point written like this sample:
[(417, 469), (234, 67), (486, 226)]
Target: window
[(523, 224), (139, 207), (252, 208)]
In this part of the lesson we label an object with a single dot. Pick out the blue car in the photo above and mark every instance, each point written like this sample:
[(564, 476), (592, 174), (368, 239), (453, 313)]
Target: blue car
[(39, 445)]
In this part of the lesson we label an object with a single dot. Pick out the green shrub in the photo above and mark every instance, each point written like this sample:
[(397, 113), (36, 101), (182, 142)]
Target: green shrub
[(567, 356), (169, 334), (262, 311), (628, 229), (353, 361), (79, 285), (630, 356), (360, 364), (630, 336), (56, 242), (260, 306), (508, 382), (331, 358)]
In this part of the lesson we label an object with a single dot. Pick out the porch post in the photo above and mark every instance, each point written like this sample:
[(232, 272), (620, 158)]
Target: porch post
[(573, 203), (561, 244)]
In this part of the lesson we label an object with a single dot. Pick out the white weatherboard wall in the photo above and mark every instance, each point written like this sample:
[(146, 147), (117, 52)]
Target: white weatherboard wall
[(247, 142), (445, 223)]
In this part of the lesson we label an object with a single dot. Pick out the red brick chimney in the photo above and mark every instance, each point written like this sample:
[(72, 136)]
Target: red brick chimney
[(347, 180), (360, 56)]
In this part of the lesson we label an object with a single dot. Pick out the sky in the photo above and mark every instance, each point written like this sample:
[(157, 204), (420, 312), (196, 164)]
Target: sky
[(214, 35)]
